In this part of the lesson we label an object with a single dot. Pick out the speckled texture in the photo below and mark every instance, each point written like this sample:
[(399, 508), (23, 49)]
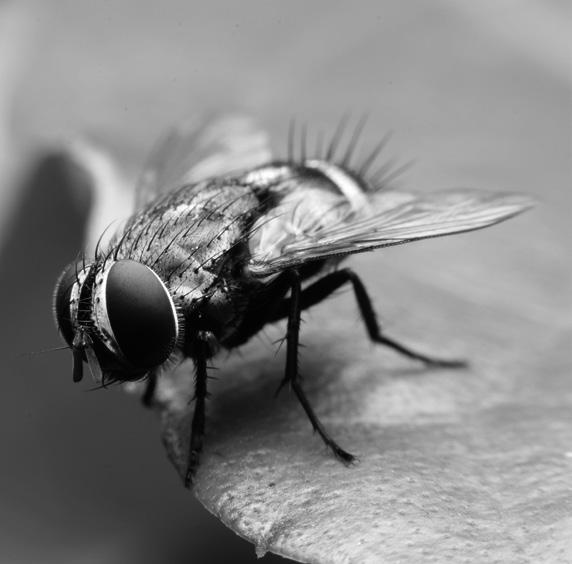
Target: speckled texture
[(460, 466)]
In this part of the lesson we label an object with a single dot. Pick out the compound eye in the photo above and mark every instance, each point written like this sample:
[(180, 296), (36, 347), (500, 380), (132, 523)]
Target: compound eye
[(62, 301), (141, 314)]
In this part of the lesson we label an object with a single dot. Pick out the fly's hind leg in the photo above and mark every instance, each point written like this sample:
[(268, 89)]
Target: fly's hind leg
[(322, 288), (374, 330), (291, 375)]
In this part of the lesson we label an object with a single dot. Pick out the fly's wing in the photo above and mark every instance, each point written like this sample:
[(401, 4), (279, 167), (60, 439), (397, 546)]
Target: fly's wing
[(196, 150), (393, 218)]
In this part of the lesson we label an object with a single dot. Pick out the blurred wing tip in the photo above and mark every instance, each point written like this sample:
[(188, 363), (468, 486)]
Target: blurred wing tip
[(523, 202), (518, 203), (513, 202)]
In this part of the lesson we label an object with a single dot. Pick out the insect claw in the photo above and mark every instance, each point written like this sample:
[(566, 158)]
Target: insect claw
[(342, 455)]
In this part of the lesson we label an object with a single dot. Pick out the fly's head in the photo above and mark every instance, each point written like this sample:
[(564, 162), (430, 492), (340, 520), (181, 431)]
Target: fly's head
[(118, 316)]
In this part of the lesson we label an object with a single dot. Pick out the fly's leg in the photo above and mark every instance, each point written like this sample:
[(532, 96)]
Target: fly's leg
[(291, 375), (150, 387), (198, 420), (375, 333), (327, 285)]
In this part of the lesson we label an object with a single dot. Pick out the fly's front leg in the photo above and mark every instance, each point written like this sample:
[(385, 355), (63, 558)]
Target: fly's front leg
[(291, 375), (150, 386), (327, 285), (198, 420)]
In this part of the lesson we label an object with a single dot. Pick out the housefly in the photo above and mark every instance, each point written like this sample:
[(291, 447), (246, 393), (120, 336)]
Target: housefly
[(225, 240)]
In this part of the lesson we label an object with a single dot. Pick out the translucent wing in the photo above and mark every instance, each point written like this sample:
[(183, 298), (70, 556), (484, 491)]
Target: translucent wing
[(196, 150), (392, 218)]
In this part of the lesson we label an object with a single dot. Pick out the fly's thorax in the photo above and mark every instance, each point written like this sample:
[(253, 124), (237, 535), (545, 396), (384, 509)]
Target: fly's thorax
[(190, 238)]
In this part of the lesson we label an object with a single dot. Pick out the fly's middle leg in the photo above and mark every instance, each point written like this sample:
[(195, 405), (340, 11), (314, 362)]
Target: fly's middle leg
[(292, 376), (327, 285)]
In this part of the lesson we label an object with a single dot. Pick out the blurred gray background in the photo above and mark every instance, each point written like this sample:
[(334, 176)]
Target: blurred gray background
[(477, 92)]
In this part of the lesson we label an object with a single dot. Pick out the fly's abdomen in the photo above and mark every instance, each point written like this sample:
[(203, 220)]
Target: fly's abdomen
[(309, 198)]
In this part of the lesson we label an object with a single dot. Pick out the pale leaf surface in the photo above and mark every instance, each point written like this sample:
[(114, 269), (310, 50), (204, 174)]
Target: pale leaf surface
[(471, 465)]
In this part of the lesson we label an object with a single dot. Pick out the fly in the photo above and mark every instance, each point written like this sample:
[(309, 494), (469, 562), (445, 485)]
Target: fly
[(212, 255)]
